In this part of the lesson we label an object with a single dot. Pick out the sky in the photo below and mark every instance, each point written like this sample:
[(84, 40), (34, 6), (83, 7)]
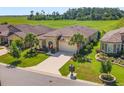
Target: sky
[(26, 10)]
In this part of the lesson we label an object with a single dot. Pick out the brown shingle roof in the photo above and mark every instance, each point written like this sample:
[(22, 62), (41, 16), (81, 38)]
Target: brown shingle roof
[(113, 36), (71, 30)]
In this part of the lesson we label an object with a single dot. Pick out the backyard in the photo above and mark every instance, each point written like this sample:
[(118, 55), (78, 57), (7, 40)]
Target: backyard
[(23, 61)]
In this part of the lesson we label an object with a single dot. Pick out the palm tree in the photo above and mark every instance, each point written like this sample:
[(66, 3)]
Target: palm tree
[(32, 12), (31, 40), (77, 39)]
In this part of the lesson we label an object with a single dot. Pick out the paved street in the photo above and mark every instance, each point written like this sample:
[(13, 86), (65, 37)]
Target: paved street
[(53, 63), (20, 76)]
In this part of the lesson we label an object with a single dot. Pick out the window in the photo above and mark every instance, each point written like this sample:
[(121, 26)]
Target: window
[(102, 44), (114, 48), (105, 47)]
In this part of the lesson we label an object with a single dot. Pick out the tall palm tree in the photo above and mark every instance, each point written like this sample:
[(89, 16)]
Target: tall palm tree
[(77, 39), (32, 12)]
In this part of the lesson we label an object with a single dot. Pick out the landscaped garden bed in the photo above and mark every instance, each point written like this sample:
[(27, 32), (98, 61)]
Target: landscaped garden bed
[(104, 57), (91, 71), (107, 79)]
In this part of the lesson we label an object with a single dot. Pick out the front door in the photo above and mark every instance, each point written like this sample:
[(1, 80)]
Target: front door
[(50, 45)]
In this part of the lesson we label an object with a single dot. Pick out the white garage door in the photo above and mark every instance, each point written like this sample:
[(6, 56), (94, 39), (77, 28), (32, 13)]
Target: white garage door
[(64, 46)]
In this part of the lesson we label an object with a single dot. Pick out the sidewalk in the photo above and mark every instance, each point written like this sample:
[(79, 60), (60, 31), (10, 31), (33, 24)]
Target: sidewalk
[(3, 51)]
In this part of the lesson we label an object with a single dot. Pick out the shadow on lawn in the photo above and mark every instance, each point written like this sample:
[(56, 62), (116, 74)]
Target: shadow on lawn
[(14, 64)]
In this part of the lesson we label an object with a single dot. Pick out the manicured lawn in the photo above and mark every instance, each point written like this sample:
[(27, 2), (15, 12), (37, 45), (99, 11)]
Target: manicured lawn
[(23, 61), (91, 71), (86, 71)]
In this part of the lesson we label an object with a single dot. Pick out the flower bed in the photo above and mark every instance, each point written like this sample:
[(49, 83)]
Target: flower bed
[(102, 57)]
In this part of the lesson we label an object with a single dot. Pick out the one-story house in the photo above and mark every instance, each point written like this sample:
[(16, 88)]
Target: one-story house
[(14, 32), (57, 39), (113, 41)]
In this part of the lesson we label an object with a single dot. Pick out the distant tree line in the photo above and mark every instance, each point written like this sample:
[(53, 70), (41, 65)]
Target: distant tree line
[(80, 14)]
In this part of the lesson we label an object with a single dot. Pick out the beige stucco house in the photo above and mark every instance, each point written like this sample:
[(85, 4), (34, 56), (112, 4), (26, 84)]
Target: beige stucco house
[(112, 42), (60, 38), (18, 32), (57, 39)]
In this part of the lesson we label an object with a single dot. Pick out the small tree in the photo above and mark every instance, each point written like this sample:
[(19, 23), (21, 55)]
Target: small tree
[(31, 40), (14, 50), (19, 44), (77, 39), (106, 67)]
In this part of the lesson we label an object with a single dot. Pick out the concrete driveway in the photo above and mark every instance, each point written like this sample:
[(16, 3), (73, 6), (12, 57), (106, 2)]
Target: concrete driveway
[(3, 51), (53, 63)]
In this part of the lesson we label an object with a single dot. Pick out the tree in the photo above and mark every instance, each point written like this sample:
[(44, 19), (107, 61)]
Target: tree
[(85, 13), (32, 12), (14, 50), (106, 67), (31, 40), (77, 39), (31, 15), (19, 44)]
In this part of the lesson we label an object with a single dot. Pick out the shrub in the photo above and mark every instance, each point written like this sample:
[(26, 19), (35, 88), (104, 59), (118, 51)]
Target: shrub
[(106, 67), (19, 44), (91, 44), (4, 23), (31, 53), (98, 50), (53, 51), (79, 59), (107, 77), (45, 49)]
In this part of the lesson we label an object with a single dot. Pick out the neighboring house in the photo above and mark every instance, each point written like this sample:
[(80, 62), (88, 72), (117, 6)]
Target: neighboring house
[(4, 30), (59, 39), (112, 42), (11, 32)]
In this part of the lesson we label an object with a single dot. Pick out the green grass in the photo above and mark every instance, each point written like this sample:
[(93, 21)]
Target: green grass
[(91, 71), (99, 25), (23, 62), (85, 71)]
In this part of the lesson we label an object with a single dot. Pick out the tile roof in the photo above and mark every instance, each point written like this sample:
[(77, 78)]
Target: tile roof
[(113, 36), (38, 30), (23, 29), (71, 30), (4, 30)]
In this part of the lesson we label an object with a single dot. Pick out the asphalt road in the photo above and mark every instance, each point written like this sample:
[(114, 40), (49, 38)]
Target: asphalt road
[(21, 77)]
